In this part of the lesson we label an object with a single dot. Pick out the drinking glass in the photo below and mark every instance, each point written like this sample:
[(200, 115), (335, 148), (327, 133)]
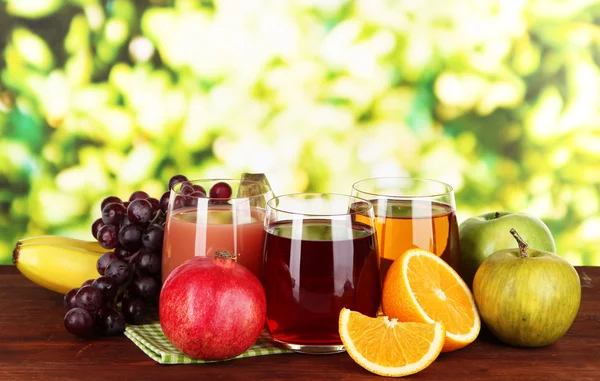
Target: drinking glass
[(318, 259), (198, 225), (411, 213)]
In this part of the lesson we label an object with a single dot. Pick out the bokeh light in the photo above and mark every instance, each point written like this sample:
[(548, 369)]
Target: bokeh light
[(498, 98)]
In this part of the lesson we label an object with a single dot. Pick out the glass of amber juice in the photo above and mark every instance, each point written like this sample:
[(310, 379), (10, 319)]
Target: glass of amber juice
[(200, 225), (411, 213)]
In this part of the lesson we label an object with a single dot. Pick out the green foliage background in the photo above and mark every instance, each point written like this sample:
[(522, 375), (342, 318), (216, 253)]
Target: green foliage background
[(498, 98)]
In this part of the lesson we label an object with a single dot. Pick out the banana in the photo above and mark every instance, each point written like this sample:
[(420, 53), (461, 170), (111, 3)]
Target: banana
[(56, 267), (64, 241)]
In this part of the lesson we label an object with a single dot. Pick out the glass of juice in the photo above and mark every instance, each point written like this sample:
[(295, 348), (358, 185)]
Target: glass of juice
[(411, 213), (205, 216), (318, 259)]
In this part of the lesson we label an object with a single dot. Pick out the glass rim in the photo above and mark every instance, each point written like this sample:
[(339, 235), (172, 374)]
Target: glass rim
[(233, 197), (449, 188), (369, 205)]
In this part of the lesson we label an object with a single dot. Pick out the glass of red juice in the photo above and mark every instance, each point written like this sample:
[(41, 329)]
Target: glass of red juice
[(318, 259), (205, 216)]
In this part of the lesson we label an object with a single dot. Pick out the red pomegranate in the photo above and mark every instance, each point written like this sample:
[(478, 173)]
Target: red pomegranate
[(212, 308)]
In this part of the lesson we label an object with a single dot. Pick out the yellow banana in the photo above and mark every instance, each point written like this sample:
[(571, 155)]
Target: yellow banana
[(64, 241), (55, 267)]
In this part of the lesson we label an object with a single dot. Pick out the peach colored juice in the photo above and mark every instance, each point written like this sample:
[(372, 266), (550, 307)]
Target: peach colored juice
[(187, 235)]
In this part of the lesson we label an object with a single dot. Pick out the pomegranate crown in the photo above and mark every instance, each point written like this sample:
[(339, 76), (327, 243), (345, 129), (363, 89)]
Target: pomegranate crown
[(225, 254)]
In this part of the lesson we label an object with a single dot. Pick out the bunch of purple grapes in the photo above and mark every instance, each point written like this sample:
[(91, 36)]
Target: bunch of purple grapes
[(129, 284)]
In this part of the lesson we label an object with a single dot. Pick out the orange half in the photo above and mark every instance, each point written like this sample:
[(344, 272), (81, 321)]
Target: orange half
[(421, 287), (387, 347)]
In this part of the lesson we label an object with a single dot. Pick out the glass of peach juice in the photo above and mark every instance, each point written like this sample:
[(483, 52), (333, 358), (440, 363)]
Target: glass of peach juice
[(200, 225)]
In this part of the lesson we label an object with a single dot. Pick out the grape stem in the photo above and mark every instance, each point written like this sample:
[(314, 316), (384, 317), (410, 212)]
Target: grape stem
[(523, 246), (158, 218), (123, 289)]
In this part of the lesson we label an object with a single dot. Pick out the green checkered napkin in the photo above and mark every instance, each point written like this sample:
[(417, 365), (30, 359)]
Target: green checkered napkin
[(150, 339)]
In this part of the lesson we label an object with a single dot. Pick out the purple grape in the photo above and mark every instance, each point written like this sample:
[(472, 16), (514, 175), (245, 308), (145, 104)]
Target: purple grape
[(148, 262), (108, 304), (186, 190), (111, 322), (89, 298), (119, 270), (126, 204), (199, 188), (146, 287), (108, 237), (69, 299), (131, 258), (112, 213), (130, 236), (79, 322), (192, 199), (138, 195), (134, 309), (122, 252), (140, 212), (164, 201), (217, 201), (96, 226), (178, 203), (125, 221), (155, 203), (109, 200), (87, 282), (153, 237), (176, 180), (105, 259), (108, 287), (220, 190)]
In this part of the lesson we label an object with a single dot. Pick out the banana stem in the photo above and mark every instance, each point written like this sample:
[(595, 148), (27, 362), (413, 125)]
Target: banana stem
[(15, 256)]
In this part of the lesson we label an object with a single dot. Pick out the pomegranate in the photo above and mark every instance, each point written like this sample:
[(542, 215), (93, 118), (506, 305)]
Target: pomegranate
[(212, 308)]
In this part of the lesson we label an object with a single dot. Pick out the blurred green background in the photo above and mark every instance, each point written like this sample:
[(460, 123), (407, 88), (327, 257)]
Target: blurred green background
[(498, 98)]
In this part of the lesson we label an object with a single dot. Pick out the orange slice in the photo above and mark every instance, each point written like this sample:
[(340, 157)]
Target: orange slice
[(421, 287), (387, 347)]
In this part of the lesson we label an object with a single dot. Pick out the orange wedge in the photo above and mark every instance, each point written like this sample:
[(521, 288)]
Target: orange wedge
[(387, 347), (421, 287)]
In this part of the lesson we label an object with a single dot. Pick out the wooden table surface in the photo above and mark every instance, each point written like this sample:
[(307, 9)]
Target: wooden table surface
[(35, 345)]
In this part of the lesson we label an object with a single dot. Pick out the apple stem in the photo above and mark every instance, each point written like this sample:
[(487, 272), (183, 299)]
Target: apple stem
[(522, 244), (497, 215)]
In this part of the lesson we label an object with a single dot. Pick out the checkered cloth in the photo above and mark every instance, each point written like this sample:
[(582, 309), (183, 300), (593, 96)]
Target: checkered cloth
[(150, 339)]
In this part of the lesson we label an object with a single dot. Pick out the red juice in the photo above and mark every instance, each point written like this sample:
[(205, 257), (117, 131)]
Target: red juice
[(309, 278)]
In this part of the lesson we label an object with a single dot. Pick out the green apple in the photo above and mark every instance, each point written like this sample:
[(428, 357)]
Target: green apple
[(483, 235), (527, 297)]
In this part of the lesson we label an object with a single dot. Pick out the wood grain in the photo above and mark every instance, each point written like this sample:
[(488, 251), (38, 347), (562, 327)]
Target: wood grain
[(34, 345)]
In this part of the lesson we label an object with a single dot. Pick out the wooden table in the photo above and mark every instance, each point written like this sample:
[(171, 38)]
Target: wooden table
[(35, 345)]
